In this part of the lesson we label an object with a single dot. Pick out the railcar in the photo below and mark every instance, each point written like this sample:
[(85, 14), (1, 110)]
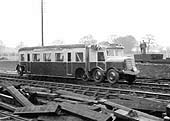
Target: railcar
[(88, 62)]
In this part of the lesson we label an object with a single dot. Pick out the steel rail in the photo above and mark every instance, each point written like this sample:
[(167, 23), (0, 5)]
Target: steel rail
[(140, 86), (101, 91), (15, 117)]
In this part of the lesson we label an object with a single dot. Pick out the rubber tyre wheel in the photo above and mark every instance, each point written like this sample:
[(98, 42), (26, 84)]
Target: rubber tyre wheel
[(85, 77), (20, 71), (81, 75), (98, 75), (114, 74), (130, 78)]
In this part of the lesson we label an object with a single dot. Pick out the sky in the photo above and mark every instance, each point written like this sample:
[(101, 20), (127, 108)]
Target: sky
[(70, 20)]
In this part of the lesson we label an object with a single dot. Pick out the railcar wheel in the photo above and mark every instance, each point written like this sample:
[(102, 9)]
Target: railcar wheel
[(85, 77), (112, 76), (20, 70), (130, 78), (80, 74), (98, 75)]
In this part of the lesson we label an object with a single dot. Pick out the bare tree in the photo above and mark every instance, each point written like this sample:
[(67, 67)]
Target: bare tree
[(88, 39), (58, 42), (112, 38), (20, 45), (167, 53), (129, 42), (2, 47)]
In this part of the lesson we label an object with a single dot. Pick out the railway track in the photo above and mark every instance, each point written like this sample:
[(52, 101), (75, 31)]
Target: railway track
[(139, 85), (103, 90), (7, 116)]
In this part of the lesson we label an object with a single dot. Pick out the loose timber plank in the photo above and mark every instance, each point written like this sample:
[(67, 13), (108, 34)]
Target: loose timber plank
[(64, 92), (7, 106), (168, 110), (142, 104), (140, 115), (59, 118), (17, 95), (85, 112), (78, 98), (39, 109)]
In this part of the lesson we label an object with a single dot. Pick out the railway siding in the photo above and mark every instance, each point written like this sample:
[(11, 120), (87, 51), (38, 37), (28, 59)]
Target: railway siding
[(101, 110)]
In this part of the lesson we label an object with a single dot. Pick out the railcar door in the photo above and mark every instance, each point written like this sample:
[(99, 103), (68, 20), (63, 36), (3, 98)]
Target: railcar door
[(69, 64), (101, 60), (87, 64), (28, 63)]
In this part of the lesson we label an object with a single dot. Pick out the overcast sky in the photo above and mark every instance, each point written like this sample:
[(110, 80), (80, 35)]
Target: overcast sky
[(70, 20)]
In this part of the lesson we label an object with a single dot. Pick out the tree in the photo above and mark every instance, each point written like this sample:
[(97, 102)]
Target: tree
[(20, 45), (88, 39), (2, 47), (129, 42), (105, 43), (58, 42)]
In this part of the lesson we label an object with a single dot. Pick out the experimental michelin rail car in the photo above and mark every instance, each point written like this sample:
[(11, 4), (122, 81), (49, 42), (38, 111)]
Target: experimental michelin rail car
[(92, 62)]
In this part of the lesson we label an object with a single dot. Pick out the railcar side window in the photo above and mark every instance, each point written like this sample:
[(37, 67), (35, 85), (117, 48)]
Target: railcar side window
[(22, 57), (36, 57), (79, 57), (47, 57), (28, 57), (59, 57), (100, 56), (69, 57)]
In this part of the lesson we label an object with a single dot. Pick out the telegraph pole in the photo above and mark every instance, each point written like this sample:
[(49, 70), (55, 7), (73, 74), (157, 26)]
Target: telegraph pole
[(42, 27)]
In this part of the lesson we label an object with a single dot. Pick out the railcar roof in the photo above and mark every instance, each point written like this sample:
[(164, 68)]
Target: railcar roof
[(67, 47), (53, 47)]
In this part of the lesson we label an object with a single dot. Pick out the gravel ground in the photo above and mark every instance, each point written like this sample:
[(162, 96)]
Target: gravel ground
[(158, 71)]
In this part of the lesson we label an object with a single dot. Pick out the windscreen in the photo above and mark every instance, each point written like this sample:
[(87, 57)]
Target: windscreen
[(114, 52)]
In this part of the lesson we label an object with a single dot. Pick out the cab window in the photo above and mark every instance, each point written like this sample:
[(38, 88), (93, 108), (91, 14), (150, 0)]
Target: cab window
[(22, 57), (36, 57), (100, 56), (59, 57), (79, 57), (47, 57)]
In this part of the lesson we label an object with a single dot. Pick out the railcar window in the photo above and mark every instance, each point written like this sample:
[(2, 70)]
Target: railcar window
[(69, 57), (111, 52), (114, 52), (79, 57), (22, 57), (28, 57), (100, 56), (59, 57), (119, 52), (47, 57), (36, 57)]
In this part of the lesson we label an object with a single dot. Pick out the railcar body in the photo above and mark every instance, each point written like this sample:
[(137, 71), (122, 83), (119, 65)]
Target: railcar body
[(79, 60)]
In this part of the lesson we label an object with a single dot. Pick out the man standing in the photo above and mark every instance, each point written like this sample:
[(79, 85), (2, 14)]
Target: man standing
[(143, 47)]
